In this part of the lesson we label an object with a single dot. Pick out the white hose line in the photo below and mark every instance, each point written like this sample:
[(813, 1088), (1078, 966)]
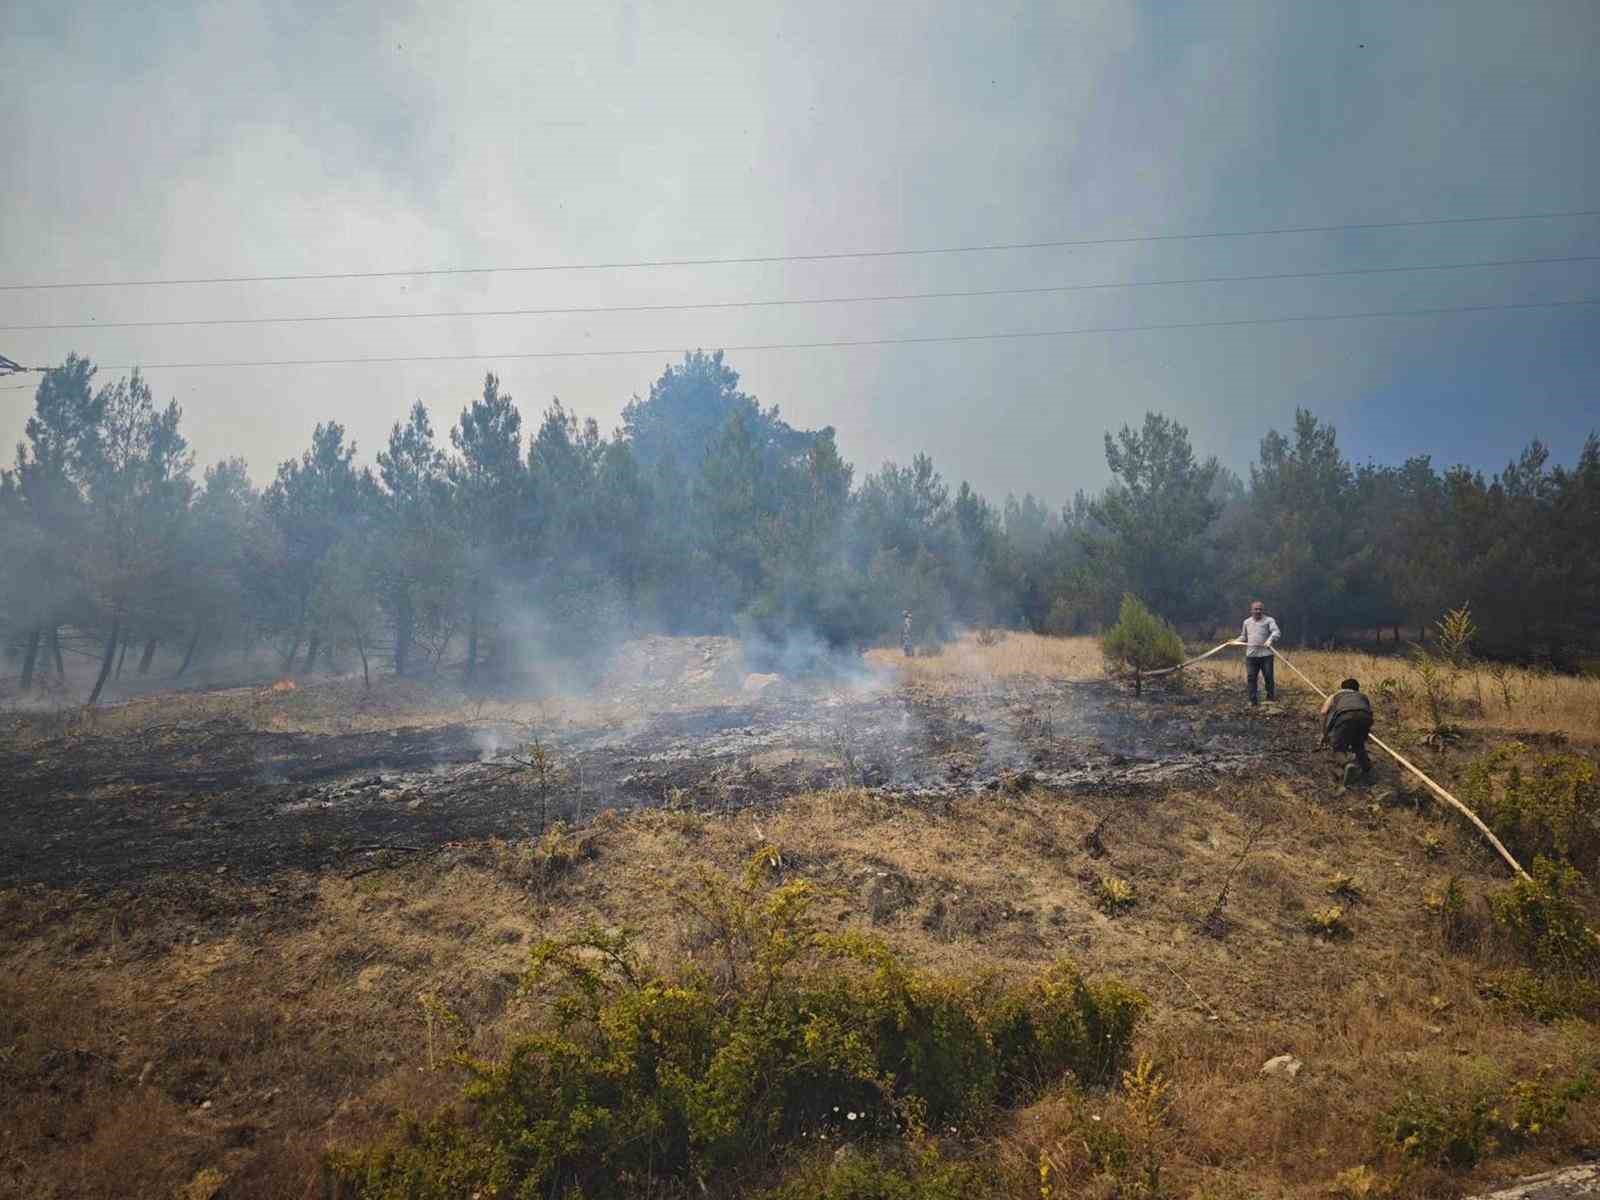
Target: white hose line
[(1188, 662), (1422, 775), (1379, 742)]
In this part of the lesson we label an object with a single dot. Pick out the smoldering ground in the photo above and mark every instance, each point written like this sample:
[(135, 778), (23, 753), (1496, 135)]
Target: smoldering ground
[(261, 785)]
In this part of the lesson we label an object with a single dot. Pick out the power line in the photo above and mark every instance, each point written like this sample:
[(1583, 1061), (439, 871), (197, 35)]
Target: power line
[(779, 258), (781, 303), (850, 342)]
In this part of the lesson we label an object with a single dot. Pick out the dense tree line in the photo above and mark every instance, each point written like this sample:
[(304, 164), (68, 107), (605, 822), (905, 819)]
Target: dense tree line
[(486, 552)]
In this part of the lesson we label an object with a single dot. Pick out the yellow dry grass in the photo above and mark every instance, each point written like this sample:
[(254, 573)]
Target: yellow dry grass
[(146, 1038), (1528, 701), (1013, 655), (286, 1017), (1519, 700)]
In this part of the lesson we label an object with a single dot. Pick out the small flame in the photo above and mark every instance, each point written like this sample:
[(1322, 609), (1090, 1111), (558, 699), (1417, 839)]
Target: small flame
[(284, 685)]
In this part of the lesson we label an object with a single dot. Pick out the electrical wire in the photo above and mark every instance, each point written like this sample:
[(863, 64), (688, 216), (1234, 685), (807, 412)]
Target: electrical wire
[(782, 258), (855, 342), (688, 306)]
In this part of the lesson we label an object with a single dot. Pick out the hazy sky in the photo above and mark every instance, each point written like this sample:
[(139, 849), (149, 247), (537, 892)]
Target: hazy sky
[(180, 140)]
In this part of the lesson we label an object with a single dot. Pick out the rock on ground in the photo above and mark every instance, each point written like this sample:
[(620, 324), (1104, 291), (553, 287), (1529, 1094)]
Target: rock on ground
[(1284, 1064), (1569, 1183)]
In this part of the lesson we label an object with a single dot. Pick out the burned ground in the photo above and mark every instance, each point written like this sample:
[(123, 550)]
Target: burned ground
[(102, 809)]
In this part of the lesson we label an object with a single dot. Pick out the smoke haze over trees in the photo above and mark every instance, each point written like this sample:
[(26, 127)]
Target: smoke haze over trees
[(489, 548)]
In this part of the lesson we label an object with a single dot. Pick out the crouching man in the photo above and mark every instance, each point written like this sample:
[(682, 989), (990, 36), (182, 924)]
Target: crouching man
[(1346, 724)]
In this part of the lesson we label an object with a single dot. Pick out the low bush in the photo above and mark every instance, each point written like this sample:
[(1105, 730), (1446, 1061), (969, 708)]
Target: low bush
[(1442, 1133), (1328, 923), (641, 1080), (1463, 1131), (1545, 922), (1539, 804), (1141, 640), (1544, 998), (1346, 887), (1113, 895)]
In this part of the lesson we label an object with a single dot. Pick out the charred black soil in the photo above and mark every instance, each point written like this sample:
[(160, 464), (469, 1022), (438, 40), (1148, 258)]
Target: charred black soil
[(104, 810)]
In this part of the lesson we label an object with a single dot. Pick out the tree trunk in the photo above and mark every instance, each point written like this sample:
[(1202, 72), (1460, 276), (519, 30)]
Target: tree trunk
[(105, 662), (294, 650), (30, 658), (311, 654), (472, 642), (404, 627), (148, 655), (122, 658), (55, 648), (188, 655), (366, 674)]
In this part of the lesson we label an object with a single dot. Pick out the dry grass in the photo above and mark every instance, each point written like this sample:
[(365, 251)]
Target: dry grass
[(200, 1035), (276, 1020), (147, 1038), (1016, 654), (1540, 702)]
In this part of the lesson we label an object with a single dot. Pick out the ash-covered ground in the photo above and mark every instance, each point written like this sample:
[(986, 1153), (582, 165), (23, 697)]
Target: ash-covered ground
[(672, 722)]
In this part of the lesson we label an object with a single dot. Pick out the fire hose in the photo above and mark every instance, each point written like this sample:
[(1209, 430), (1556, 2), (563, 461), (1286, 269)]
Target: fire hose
[(1405, 762)]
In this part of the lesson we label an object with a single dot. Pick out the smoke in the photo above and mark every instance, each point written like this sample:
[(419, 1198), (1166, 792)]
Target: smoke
[(801, 653), (490, 741)]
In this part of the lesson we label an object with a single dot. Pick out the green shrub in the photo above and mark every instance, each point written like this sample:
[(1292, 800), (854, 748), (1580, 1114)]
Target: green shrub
[(1545, 922), (1539, 804), (1441, 1133), (1059, 1025), (1462, 1132), (788, 1034), (1141, 640), (1534, 1107), (1544, 998)]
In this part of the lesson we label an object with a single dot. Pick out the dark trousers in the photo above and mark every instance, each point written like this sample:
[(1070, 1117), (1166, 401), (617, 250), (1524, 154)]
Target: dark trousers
[(1259, 666), (1350, 734)]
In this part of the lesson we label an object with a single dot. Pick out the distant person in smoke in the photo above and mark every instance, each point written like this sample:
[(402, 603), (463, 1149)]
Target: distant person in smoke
[(1259, 636), (905, 632), (1346, 722)]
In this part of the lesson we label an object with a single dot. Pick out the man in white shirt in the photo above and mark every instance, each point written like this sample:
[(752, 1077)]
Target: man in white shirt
[(1260, 634)]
